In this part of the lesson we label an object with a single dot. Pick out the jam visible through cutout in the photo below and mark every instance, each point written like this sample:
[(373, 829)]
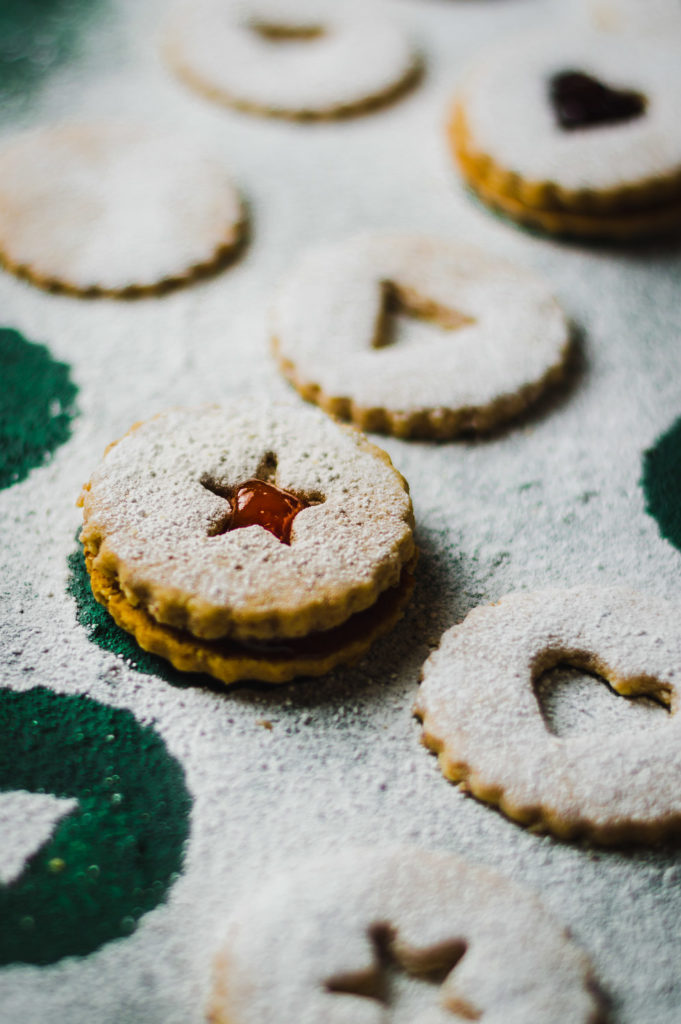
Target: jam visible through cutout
[(259, 503), (581, 101)]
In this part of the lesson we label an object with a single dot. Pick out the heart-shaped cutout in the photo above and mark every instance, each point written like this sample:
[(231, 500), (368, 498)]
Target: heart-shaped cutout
[(575, 702), (581, 101)]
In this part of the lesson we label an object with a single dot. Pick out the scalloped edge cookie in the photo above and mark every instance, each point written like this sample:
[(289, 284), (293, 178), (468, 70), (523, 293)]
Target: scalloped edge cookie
[(216, 52), (496, 951), (481, 716), (611, 201), (502, 339), (164, 560), (114, 209), (229, 661)]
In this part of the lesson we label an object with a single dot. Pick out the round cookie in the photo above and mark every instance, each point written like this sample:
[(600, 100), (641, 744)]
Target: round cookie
[(402, 934), (113, 209), (484, 338), (175, 564), (575, 133), (481, 715), (294, 59)]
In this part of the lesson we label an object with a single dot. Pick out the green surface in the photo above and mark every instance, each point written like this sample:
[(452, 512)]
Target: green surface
[(115, 857), (37, 404), (36, 36), (661, 482), (104, 632)]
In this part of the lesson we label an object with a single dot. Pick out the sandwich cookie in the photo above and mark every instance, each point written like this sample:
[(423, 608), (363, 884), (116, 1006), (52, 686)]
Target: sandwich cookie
[(249, 543)]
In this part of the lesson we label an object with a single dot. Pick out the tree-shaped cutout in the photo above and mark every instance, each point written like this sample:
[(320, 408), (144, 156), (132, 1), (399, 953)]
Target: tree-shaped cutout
[(400, 303)]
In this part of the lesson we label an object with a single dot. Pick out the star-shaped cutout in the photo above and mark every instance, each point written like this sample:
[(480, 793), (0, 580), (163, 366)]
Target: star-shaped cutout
[(259, 502), (407, 983)]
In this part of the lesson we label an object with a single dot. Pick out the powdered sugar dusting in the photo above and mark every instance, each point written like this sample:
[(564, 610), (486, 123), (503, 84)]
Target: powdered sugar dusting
[(518, 965), (479, 708), (354, 57), (327, 312), (113, 206), (27, 820), (552, 502), (505, 98), (148, 517)]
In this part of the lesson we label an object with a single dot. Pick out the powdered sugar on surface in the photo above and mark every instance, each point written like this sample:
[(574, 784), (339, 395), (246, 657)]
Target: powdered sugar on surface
[(657, 17), (27, 820), (551, 501)]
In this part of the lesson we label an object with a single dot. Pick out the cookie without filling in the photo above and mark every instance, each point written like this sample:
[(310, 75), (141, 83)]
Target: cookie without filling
[(417, 336), (165, 558), (402, 934), (290, 58), (481, 715), (113, 209)]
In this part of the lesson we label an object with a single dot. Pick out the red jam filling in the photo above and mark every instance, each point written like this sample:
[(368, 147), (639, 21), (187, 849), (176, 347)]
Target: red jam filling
[(580, 101), (257, 503)]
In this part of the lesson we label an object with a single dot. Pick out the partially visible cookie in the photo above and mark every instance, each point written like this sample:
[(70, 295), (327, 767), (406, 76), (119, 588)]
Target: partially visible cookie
[(404, 934), (290, 58), (637, 16), (481, 715), (575, 132), (113, 209), (483, 341), (249, 543)]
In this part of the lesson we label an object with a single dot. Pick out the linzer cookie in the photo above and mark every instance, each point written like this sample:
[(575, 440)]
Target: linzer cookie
[(113, 209), (416, 336), (290, 58), (249, 543), (575, 133), (481, 715), (400, 934)]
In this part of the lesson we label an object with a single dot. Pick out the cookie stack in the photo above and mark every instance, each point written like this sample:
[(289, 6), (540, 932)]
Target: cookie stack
[(261, 545), (575, 134)]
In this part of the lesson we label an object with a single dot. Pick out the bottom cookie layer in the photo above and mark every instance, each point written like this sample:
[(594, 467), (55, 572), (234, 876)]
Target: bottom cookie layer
[(627, 226), (619, 215), (270, 662)]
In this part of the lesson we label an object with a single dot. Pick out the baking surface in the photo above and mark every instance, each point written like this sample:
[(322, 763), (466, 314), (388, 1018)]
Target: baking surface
[(554, 500)]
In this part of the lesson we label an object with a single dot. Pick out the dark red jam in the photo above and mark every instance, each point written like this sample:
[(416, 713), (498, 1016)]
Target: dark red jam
[(581, 101)]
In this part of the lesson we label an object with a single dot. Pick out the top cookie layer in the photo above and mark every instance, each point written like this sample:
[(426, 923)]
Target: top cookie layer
[(151, 513), (505, 103), (480, 711), (308, 947), (496, 333), (291, 58), (112, 208)]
